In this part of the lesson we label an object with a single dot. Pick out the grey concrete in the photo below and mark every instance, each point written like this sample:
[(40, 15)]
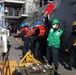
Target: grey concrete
[(16, 54), (63, 61)]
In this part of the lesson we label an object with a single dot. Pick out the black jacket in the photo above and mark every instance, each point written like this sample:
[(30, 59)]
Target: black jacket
[(71, 39)]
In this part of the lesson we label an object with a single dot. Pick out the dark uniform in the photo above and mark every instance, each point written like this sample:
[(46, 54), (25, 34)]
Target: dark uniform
[(71, 46), (41, 40), (34, 34), (39, 31), (53, 42), (24, 34)]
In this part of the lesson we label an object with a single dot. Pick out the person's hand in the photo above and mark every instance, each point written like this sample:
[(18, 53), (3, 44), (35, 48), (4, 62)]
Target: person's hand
[(15, 35), (43, 19), (45, 14)]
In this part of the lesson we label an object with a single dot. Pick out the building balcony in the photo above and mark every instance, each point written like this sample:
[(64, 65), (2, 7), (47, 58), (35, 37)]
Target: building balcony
[(15, 16), (13, 3), (14, 12)]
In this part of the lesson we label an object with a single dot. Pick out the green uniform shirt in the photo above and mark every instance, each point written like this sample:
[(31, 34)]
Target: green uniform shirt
[(53, 39)]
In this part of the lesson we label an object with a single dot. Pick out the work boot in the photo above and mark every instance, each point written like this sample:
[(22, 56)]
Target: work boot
[(57, 72), (69, 67)]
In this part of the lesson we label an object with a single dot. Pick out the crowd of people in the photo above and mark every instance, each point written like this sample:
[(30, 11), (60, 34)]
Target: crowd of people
[(46, 38)]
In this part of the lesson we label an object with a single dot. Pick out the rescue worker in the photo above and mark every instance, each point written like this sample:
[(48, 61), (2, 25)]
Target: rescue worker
[(71, 46), (47, 21), (40, 33), (53, 43), (41, 38), (24, 33), (35, 42)]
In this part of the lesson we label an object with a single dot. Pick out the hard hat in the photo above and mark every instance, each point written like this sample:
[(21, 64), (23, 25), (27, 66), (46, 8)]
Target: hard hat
[(74, 23), (38, 23), (44, 24), (22, 25), (55, 21), (34, 26)]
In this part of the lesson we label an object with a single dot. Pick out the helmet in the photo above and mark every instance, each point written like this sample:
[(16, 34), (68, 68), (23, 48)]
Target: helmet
[(44, 24), (38, 22), (74, 23), (34, 26), (22, 25), (55, 21)]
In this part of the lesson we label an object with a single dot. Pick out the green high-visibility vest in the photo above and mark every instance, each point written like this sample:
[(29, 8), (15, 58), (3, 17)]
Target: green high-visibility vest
[(53, 39)]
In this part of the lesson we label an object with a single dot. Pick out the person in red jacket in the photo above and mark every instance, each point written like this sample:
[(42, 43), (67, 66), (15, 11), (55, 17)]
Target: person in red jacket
[(24, 33), (39, 31), (41, 38), (34, 33)]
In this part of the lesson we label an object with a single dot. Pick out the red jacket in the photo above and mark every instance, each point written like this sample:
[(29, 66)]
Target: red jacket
[(27, 31), (33, 31), (42, 30)]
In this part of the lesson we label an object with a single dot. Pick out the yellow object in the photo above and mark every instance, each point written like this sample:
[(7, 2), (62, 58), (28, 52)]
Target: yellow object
[(9, 67), (28, 59), (74, 23), (74, 43)]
